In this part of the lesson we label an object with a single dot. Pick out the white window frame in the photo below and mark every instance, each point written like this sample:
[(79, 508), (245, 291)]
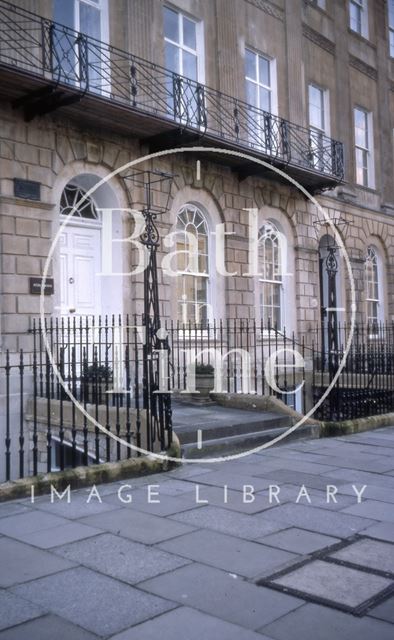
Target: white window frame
[(367, 150), (273, 89), (361, 6), (207, 274), (278, 282), (104, 86), (198, 52), (319, 132), (379, 301), (261, 143), (390, 21)]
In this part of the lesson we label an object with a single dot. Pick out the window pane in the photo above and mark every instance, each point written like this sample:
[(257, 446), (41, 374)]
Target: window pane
[(391, 13), (63, 13), (265, 99), (189, 65), (89, 21), (171, 24), (189, 33), (251, 93), (264, 71), (250, 64), (172, 57), (355, 17)]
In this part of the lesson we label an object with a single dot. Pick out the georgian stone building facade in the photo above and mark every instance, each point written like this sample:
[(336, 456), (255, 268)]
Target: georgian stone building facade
[(322, 69)]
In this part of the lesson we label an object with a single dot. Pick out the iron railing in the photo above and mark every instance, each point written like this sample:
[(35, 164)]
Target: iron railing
[(99, 362), (66, 58)]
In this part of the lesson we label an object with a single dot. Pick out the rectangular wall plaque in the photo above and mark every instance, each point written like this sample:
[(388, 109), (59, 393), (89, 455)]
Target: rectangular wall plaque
[(27, 189), (35, 286)]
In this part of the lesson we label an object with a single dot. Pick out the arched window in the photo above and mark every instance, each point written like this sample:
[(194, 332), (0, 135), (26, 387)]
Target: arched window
[(270, 281), (373, 294), (69, 200), (192, 285)]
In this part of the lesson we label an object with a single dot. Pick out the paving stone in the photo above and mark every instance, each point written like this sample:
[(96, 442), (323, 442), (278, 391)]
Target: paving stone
[(311, 481), (232, 480), (334, 523), (47, 628), (317, 497), (245, 558), (372, 509), (315, 622), (235, 499), (136, 525), (120, 558), (94, 602), (384, 611), (360, 477), (166, 506), (187, 624), (20, 562), (382, 531), (368, 553), (235, 524), (175, 487), (382, 494), (216, 592), (333, 582), (21, 525), (55, 536), (78, 507), (299, 540), (14, 610), (12, 508)]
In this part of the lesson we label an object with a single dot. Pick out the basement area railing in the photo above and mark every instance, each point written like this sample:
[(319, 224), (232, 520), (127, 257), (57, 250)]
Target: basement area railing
[(65, 58), (84, 372)]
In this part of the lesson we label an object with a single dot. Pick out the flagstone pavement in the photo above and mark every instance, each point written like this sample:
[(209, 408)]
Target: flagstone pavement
[(293, 542)]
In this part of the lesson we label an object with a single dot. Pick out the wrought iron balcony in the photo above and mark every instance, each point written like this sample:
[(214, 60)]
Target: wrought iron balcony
[(45, 66)]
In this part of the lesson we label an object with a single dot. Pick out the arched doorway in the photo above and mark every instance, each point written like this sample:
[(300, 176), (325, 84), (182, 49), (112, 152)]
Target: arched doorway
[(83, 289)]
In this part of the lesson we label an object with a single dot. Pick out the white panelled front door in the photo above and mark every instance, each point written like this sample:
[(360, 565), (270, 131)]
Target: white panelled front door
[(80, 264)]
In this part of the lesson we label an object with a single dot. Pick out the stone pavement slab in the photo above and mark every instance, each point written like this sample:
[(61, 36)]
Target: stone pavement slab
[(93, 601), (55, 536), (19, 526), (332, 523), (372, 509), (315, 622), (368, 553), (47, 627), (167, 505), (138, 526), (384, 611), (235, 524), (226, 552), (120, 558), (14, 610), (233, 480), (12, 508), (216, 495), (78, 506), (342, 585), (20, 562), (187, 624), (299, 540), (382, 531), (215, 592)]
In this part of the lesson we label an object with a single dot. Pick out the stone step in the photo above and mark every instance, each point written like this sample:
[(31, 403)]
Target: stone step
[(248, 423), (245, 441)]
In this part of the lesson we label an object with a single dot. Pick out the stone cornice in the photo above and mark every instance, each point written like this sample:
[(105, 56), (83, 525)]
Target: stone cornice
[(364, 68), (318, 38), (268, 8)]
